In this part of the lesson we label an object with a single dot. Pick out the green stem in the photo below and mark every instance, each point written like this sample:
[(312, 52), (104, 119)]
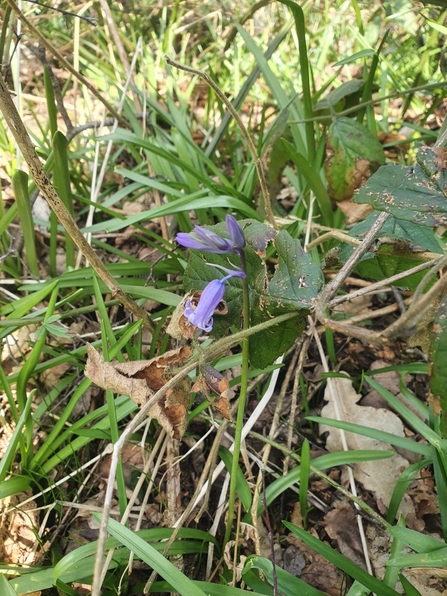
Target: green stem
[(241, 407)]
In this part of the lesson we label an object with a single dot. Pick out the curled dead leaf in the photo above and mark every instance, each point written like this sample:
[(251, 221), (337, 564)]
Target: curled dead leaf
[(140, 380), (211, 379)]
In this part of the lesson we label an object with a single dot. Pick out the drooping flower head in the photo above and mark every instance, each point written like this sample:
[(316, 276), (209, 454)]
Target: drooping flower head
[(202, 315), (207, 241)]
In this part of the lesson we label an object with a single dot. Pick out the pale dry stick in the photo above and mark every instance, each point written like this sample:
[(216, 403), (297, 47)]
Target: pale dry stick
[(106, 451), (309, 221), (334, 235), (336, 402), (380, 312), (323, 298), (246, 135), (173, 489), (417, 310), (267, 448), (44, 41), (347, 268), (16, 77), (189, 508), (380, 285), (76, 52), (247, 427), (294, 404), (89, 508), (427, 277), (133, 498), (117, 448), (147, 494), (42, 181), (97, 182)]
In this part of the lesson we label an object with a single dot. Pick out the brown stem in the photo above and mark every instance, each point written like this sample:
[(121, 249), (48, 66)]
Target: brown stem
[(42, 181)]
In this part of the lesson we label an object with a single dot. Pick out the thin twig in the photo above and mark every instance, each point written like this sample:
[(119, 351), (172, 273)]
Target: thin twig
[(383, 283), (251, 146)]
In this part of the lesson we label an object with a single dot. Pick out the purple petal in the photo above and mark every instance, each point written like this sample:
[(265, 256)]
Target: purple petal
[(202, 315), (212, 239), (205, 240), (235, 231)]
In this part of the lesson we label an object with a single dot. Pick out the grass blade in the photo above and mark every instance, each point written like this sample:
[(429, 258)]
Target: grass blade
[(20, 187)]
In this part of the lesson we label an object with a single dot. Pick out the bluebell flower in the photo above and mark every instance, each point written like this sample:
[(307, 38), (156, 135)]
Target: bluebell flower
[(202, 315), (206, 240)]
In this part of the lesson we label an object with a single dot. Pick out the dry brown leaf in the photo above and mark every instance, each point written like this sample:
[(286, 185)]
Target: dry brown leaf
[(211, 379), (139, 380), (380, 477), (18, 527), (340, 525)]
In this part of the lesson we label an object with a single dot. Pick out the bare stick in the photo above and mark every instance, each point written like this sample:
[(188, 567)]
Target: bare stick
[(256, 159), (384, 282), (321, 301), (21, 136)]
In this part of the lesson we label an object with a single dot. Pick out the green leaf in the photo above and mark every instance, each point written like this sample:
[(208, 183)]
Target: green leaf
[(436, 558), (20, 188), (417, 236), (342, 562), (414, 194), (337, 95), (357, 56), (182, 584), (410, 590), (288, 584), (353, 154), (438, 359), (5, 587), (421, 543), (297, 279), (242, 488), (14, 485), (294, 285)]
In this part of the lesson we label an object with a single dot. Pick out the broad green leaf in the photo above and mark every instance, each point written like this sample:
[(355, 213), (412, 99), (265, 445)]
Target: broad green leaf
[(337, 95), (294, 285), (438, 359), (353, 155), (414, 194), (297, 279), (288, 584), (415, 235)]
